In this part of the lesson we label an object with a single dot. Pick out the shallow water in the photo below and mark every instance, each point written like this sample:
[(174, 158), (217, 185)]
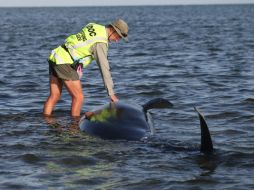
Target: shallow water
[(192, 55)]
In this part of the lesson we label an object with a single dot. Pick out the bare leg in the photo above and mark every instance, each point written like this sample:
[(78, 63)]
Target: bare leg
[(75, 90), (56, 85)]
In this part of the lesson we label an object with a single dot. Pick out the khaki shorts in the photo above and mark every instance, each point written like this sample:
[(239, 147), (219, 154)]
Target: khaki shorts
[(63, 71)]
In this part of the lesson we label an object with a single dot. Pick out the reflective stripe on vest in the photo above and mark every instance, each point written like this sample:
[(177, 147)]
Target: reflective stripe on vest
[(85, 43), (78, 45), (60, 56), (60, 60)]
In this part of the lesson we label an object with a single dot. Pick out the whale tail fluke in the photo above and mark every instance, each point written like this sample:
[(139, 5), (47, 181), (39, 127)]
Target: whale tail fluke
[(158, 103), (206, 140)]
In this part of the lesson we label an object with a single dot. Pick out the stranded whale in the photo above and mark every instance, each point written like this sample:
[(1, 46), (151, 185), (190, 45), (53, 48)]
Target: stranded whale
[(121, 121)]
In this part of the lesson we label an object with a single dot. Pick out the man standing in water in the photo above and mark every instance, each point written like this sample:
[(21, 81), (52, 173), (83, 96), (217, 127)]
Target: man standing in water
[(78, 51)]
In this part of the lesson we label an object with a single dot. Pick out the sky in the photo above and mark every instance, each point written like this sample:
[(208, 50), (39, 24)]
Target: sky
[(43, 3)]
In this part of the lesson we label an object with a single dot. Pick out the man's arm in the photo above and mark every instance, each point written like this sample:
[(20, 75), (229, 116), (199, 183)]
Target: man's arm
[(100, 53)]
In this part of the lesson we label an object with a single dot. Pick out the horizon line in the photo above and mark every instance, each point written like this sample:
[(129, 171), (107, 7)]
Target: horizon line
[(65, 6)]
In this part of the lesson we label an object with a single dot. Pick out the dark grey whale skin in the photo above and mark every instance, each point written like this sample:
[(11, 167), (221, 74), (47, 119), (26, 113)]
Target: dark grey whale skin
[(117, 121), (122, 121)]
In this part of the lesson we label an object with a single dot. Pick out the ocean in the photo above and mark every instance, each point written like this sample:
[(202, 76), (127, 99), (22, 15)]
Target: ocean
[(191, 55)]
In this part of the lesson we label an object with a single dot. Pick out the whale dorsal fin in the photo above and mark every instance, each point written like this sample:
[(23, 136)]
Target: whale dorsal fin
[(206, 140), (157, 103)]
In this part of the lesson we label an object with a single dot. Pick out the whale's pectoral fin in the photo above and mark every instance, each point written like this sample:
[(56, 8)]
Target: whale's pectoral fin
[(206, 140), (157, 103)]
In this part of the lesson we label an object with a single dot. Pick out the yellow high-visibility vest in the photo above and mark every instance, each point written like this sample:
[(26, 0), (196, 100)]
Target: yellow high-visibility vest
[(76, 47)]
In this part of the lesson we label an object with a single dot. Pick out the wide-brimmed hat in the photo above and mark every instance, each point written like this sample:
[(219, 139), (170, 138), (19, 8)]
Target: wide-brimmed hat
[(121, 28)]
